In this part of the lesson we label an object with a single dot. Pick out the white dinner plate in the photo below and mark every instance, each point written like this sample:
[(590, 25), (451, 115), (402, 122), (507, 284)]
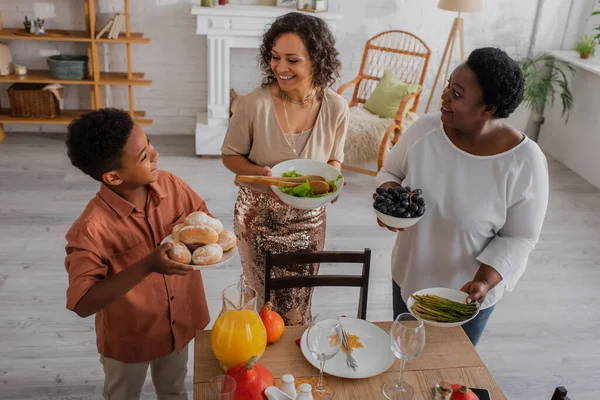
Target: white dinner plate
[(227, 256), (375, 358), (450, 294)]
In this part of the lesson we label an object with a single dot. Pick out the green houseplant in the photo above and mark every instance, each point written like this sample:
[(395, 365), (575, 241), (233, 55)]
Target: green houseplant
[(545, 79), (586, 47), (597, 27)]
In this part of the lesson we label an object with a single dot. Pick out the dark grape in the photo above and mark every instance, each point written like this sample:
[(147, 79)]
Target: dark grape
[(380, 190), (406, 215), (418, 192), (421, 201), (395, 196), (388, 202), (408, 189), (380, 199), (420, 211), (391, 190), (400, 189), (404, 204), (383, 209), (401, 210), (404, 196), (375, 204), (415, 207), (391, 209)]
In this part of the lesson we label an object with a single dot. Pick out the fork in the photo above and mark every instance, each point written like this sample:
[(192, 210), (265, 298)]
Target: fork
[(350, 361)]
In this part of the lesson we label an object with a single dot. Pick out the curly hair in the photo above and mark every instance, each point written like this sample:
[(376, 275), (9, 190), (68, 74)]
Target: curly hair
[(317, 38), (500, 78), (95, 141)]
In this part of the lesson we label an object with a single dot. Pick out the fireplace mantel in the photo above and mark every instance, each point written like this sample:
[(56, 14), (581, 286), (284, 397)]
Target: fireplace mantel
[(227, 27)]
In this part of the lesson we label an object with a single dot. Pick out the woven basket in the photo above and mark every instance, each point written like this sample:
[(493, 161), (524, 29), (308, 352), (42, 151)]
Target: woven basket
[(29, 100), (68, 66)]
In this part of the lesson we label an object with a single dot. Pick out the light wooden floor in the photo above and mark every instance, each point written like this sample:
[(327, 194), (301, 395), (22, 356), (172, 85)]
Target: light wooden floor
[(543, 335)]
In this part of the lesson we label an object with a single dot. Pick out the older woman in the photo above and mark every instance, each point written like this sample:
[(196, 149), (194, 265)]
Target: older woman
[(485, 185), (294, 114)]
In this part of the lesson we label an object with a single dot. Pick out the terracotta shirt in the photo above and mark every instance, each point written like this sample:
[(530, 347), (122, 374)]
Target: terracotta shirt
[(162, 312)]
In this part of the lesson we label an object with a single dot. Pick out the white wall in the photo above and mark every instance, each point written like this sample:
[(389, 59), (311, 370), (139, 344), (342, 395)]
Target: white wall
[(176, 58)]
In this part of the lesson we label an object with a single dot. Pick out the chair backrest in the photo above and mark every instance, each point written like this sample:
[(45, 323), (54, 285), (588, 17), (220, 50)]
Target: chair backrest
[(560, 393), (272, 260), (403, 53)]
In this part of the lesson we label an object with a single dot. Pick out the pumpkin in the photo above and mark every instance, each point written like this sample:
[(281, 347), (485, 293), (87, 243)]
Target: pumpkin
[(251, 380), (461, 392), (273, 323)]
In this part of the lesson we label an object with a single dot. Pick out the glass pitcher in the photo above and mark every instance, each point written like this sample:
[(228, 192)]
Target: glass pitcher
[(238, 332)]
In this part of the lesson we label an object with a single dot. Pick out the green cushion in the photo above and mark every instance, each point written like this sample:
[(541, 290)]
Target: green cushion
[(388, 95)]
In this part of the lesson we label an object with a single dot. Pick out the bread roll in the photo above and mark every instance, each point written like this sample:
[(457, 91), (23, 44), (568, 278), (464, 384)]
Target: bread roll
[(207, 255), (227, 240), (169, 239), (215, 224), (176, 229), (180, 253), (197, 218), (198, 234)]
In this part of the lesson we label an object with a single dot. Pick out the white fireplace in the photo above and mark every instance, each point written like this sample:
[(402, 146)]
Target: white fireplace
[(225, 28)]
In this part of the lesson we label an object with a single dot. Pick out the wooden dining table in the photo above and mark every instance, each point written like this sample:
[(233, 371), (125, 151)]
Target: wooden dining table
[(448, 356)]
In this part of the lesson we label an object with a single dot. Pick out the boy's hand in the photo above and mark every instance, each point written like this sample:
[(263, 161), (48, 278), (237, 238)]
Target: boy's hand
[(160, 262)]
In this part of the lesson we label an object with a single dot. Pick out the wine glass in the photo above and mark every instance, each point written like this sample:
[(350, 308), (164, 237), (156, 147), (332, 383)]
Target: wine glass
[(221, 387), (324, 339), (407, 339)]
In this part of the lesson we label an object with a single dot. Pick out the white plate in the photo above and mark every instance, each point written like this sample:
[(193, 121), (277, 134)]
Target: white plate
[(227, 256), (308, 167), (450, 294), (374, 359)]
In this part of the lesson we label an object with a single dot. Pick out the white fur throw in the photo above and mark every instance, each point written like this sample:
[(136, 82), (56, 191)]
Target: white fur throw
[(365, 132)]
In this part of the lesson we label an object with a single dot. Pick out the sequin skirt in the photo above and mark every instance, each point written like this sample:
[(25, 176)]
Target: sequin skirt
[(263, 224)]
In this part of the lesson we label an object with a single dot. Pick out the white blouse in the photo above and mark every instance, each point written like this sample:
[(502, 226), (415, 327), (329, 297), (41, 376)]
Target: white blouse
[(479, 209)]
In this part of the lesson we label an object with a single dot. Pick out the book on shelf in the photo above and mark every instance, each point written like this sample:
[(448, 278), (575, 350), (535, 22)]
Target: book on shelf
[(106, 27), (114, 32)]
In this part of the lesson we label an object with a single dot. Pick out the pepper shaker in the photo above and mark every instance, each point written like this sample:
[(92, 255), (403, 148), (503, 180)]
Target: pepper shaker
[(287, 385), (305, 392)]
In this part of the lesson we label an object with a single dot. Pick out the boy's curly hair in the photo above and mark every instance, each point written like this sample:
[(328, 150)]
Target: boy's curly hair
[(317, 38), (95, 141)]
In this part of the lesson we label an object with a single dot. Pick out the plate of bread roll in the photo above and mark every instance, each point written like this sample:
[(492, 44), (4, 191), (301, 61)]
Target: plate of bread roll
[(201, 241)]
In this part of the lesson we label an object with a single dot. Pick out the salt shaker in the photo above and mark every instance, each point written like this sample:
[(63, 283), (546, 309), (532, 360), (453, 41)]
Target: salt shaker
[(287, 385), (305, 392)]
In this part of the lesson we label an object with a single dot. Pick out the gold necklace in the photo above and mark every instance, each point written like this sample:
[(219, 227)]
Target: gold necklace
[(299, 102), (287, 121)]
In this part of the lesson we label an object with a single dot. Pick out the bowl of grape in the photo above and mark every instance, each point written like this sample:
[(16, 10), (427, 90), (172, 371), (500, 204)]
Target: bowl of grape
[(399, 207)]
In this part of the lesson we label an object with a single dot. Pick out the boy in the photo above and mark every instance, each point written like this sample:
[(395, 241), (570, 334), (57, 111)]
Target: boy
[(147, 307)]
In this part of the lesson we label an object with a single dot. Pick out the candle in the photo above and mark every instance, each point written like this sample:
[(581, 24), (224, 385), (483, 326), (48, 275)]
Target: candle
[(320, 5), (20, 70)]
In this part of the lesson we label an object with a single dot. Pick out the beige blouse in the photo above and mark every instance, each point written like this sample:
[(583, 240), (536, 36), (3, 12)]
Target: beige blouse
[(254, 131)]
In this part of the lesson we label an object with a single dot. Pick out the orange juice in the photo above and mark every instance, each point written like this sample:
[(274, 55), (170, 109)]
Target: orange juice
[(236, 336)]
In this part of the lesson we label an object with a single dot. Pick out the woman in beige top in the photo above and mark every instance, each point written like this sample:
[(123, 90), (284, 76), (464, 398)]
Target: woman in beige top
[(294, 114)]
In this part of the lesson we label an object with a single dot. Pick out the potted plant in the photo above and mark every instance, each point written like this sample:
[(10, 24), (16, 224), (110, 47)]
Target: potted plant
[(586, 47), (545, 78)]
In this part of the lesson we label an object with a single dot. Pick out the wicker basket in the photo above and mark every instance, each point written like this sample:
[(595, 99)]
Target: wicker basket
[(29, 100)]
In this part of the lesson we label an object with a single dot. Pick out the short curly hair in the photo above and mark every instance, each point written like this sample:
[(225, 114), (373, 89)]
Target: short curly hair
[(95, 141), (317, 38), (500, 78)]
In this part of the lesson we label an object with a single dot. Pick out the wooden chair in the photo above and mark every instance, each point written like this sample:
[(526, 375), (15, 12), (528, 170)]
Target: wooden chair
[(272, 260), (407, 56), (560, 393)]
